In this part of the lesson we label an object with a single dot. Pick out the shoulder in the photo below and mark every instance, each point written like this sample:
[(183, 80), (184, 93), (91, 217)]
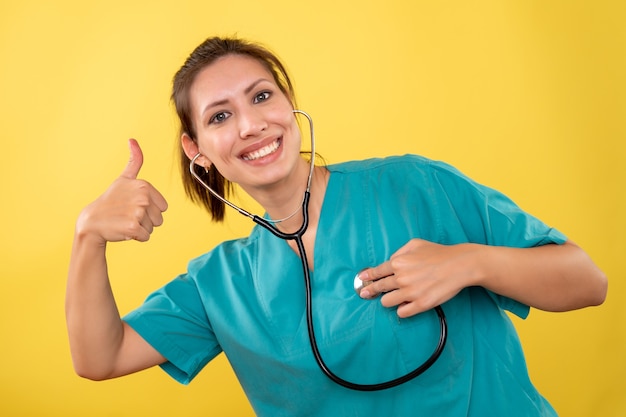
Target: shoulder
[(407, 161), (228, 255), (380, 163), (404, 167)]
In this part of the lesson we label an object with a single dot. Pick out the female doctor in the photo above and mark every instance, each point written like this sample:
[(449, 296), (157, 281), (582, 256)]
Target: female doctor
[(421, 234)]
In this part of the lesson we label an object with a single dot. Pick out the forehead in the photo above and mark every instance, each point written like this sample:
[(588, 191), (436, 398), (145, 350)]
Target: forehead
[(231, 72)]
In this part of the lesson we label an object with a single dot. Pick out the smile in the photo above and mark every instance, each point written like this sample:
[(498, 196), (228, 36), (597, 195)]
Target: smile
[(264, 151)]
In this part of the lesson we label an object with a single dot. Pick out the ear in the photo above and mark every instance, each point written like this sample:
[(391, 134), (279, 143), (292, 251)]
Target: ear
[(191, 150)]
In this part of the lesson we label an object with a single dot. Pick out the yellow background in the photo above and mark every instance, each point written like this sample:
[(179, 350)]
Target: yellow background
[(526, 96)]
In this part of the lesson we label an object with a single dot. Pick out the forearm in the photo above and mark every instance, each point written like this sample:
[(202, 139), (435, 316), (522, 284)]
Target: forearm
[(94, 326), (102, 345), (551, 277)]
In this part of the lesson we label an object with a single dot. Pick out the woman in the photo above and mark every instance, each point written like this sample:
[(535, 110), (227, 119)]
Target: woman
[(430, 236)]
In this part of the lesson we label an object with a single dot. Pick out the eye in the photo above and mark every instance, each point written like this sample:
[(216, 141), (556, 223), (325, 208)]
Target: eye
[(218, 117), (262, 96)]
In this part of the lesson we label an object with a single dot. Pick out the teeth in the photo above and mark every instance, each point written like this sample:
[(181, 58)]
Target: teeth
[(260, 153)]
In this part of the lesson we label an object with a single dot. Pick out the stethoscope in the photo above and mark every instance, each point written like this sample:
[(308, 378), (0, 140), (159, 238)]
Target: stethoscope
[(358, 284)]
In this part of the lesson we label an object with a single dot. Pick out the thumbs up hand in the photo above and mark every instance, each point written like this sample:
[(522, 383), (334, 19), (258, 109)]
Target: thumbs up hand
[(129, 209)]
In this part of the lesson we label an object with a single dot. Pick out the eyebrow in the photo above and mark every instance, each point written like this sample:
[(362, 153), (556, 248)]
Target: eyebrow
[(246, 91)]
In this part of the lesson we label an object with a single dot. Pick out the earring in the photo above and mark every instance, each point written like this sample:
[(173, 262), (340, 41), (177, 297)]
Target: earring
[(206, 170)]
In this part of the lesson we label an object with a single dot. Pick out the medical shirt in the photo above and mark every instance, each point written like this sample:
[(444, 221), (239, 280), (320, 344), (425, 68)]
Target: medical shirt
[(246, 298)]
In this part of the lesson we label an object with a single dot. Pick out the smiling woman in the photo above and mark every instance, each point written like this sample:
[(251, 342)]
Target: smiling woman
[(203, 56), (240, 111), (432, 238)]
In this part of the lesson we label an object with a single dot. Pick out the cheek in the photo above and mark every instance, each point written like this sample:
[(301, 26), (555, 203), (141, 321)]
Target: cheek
[(300, 132), (215, 145)]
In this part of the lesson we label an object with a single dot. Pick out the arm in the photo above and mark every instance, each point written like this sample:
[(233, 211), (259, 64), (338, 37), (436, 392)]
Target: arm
[(102, 345), (422, 275)]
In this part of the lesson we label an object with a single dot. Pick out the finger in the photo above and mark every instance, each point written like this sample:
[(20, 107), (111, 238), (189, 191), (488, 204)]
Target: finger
[(135, 162), (376, 272), (147, 224), (408, 309), (142, 235), (393, 298), (137, 232), (158, 200), (375, 288), (155, 216), (411, 308)]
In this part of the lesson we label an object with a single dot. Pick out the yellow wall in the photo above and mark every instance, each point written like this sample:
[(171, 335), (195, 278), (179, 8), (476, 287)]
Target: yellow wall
[(526, 96)]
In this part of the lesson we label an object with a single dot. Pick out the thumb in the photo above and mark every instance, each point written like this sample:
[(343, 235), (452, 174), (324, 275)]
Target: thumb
[(135, 162)]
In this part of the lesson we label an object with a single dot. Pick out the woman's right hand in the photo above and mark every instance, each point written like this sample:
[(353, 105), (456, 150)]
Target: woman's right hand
[(129, 209)]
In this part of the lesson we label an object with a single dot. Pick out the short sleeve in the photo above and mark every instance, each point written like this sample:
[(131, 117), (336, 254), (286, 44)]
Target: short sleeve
[(174, 321), (488, 217)]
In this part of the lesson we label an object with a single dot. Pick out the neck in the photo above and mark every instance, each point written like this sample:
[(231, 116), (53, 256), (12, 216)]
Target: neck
[(318, 189), (284, 202)]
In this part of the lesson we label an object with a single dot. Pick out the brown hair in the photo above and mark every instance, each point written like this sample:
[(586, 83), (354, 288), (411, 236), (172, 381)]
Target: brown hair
[(204, 55)]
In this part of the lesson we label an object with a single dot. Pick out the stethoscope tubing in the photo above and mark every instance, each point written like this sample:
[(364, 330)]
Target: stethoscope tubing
[(297, 237)]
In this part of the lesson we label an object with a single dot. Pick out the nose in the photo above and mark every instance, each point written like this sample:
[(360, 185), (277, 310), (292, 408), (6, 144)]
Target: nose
[(251, 123)]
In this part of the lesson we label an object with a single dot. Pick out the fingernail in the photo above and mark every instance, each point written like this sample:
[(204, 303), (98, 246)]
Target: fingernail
[(365, 294)]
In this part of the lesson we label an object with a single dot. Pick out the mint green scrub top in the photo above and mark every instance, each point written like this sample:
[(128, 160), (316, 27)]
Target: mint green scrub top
[(246, 298)]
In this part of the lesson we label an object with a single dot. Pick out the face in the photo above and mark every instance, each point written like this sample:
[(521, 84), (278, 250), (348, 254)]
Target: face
[(244, 124)]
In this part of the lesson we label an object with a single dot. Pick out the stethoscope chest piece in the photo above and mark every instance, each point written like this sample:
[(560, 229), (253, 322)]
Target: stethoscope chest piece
[(358, 284)]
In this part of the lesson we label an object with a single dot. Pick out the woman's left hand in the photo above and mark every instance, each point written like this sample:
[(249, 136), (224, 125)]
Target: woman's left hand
[(421, 275)]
